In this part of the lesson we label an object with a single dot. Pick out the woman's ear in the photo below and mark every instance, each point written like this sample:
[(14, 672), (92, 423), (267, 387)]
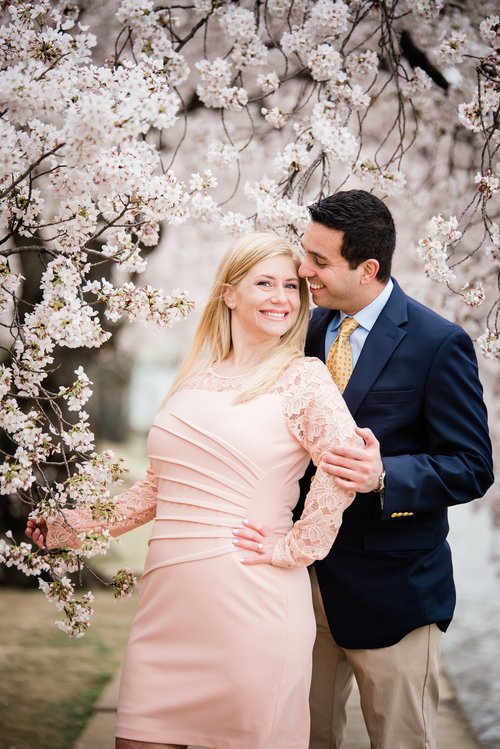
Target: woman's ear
[(228, 295)]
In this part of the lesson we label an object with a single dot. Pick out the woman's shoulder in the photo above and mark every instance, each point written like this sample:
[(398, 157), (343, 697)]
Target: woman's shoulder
[(308, 366), (308, 391), (305, 371)]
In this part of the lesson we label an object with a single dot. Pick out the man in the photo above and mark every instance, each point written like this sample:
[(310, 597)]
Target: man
[(386, 588)]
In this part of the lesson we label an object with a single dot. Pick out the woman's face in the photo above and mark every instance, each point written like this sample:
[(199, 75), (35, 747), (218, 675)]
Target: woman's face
[(266, 302)]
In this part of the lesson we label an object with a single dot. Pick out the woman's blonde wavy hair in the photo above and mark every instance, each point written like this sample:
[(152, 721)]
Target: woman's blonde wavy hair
[(212, 340)]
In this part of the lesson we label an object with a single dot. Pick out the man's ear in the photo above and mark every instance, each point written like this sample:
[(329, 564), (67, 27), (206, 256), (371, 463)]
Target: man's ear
[(370, 270)]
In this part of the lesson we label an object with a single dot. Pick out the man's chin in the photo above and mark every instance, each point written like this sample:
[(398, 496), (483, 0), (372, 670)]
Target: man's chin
[(321, 298)]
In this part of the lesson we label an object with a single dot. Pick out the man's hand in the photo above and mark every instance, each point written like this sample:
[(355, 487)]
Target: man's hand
[(355, 468)]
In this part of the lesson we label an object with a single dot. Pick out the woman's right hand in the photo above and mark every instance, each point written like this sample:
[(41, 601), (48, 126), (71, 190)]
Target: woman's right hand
[(255, 538), (37, 531)]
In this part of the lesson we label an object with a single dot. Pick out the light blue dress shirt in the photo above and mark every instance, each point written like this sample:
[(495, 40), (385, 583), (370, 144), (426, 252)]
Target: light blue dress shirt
[(366, 318)]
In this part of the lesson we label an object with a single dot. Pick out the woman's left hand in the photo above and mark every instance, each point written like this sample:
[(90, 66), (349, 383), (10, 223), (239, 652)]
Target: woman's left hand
[(254, 538), (37, 531)]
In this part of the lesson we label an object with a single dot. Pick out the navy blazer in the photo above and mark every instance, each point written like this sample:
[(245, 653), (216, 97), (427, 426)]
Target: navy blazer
[(416, 386)]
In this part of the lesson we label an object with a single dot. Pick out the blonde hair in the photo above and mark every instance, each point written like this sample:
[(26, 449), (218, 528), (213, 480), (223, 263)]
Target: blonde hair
[(212, 341)]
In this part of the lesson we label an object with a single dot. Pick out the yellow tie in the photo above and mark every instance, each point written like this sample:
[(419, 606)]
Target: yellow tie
[(339, 360)]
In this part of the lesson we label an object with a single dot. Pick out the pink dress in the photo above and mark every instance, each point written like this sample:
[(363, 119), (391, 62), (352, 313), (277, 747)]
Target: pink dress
[(220, 653)]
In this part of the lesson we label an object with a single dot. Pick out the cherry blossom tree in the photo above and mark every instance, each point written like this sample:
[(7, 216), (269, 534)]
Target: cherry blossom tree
[(281, 102)]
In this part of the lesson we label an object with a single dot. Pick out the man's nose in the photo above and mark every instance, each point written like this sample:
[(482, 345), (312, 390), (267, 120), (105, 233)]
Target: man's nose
[(305, 271)]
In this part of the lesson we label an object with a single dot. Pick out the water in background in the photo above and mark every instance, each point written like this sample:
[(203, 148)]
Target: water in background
[(471, 646)]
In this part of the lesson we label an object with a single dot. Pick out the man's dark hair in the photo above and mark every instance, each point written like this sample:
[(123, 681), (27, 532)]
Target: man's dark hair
[(367, 223)]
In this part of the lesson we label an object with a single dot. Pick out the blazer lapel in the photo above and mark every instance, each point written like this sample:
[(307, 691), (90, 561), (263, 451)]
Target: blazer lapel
[(382, 341), (315, 344)]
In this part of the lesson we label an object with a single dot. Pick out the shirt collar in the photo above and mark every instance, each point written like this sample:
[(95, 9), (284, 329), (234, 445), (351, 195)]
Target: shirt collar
[(367, 316)]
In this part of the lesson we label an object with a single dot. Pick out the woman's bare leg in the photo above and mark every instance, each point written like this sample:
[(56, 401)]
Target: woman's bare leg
[(129, 744)]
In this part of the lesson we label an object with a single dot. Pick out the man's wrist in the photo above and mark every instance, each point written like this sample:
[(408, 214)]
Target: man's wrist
[(381, 482), (380, 490)]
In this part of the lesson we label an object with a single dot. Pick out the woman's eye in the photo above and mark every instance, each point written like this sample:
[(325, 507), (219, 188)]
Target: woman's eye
[(291, 285)]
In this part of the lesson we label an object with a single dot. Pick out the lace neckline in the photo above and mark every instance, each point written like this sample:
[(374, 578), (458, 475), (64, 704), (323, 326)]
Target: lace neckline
[(210, 381), (212, 371)]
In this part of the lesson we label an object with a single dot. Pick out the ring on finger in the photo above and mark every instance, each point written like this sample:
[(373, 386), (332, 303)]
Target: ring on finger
[(259, 548)]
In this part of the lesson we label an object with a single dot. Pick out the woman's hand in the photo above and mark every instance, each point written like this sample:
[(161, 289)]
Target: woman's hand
[(37, 531), (254, 538)]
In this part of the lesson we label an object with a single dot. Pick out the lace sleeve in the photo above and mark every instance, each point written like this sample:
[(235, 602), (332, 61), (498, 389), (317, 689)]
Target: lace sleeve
[(318, 417), (134, 507)]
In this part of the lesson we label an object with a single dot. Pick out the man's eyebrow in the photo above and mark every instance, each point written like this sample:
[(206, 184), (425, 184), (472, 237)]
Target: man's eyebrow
[(315, 253)]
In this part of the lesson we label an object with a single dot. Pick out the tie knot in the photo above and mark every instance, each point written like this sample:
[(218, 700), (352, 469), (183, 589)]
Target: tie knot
[(348, 326)]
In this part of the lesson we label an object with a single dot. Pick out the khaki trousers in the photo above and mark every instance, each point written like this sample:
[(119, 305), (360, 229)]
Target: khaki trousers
[(398, 686)]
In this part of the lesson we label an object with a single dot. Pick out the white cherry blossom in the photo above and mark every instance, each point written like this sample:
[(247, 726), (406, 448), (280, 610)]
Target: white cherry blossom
[(473, 296), (274, 116), (489, 342), (268, 82), (102, 146), (238, 23), (453, 48), (221, 154), (487, 185), (294, 158), (490, 30)]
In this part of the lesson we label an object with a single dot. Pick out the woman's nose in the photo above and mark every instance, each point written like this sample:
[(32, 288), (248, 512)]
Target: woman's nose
[(279, 295)]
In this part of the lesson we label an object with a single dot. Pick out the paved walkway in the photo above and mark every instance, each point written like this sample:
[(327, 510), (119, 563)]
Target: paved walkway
[(453, 732)]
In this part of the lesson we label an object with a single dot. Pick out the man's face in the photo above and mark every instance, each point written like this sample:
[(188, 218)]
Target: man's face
[(333, 283)]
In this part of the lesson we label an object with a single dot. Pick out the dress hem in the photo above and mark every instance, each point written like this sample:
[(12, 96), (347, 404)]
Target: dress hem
[(202, 741)]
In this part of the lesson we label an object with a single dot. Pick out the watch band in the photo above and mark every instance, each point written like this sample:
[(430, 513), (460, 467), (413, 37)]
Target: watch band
[(381, 483)]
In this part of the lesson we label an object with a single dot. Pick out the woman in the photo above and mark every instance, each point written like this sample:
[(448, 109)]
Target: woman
[(220, 649)]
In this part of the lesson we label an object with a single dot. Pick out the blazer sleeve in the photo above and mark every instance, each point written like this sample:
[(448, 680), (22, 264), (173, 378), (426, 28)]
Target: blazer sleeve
[(457, 465), (318, 418)]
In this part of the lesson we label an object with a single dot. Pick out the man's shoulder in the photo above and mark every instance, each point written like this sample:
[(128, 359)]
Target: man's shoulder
[(320, 317), (320, 314), (421, 316), (400, 309), (428, 332)]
